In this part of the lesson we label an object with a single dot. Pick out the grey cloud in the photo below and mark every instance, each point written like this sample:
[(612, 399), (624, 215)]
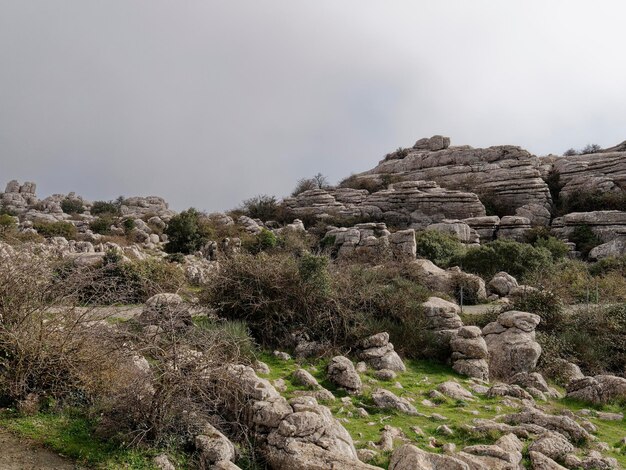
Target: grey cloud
[(209, 102)]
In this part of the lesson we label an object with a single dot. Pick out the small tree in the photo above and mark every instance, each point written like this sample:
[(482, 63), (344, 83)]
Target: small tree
[(570, 152), (262, 207), (319, 181), (591, 148), (185, 233), (72, 206)]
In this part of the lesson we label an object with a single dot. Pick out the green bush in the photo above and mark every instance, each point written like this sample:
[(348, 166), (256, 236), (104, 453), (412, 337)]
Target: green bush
[(581, 201), (264, 240), (128, 225), (517, 259), (262, 207), (56, 229), (441, 248), (544, 303), (557, 248), (594, 338), (105, 207), (277, 294), (72, 206), (7, 224), (609, 265), (585, 239), (102, 225), (186, 234)]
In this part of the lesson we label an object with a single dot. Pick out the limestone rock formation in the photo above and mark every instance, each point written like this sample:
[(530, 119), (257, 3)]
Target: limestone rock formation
[(379, 353), (409, 457), (598, 390), (505, 173), (411, 203), (597, 172), (469, 353), (387, 400), (460, 230), (372, 241), (511, 344), (298, 433), (449, 280), (443, 316), (607, 225)]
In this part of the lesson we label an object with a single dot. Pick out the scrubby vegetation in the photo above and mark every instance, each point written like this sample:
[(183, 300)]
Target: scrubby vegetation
[(72, 206), (56, 229), (442, 249), (517, 259)]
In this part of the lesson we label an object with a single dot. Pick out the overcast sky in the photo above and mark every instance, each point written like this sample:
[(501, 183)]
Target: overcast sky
[(209, 102)]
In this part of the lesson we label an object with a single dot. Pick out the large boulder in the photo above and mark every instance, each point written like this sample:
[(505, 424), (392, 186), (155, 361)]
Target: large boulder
[(598, 390), (342, 373), (379, 353), (166, 311), (511, 344), (502, 284)]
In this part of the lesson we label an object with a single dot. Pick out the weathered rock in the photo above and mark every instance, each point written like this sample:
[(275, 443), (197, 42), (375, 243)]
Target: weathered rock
[(615, 248), (507, 174), (387, 400), (600, 389), (539, 461), (486, 226), (511, 344), (455, 391), (458, 229), (379, 353), (162, 462), (505, 390), (470, 353), (448, 281), (537, 214), (560, 424), (553, 445), (214, 447), (303, 377), (409, 457), (514, 228), (443, 316), (590, 173), (342, 373), (607, 225), (502, 284)]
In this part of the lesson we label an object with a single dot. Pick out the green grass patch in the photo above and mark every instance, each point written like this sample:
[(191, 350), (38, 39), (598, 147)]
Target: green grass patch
[(72, 435)]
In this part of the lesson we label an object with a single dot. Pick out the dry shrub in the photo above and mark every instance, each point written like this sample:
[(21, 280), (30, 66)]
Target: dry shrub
[(154, 384), (48, 347)]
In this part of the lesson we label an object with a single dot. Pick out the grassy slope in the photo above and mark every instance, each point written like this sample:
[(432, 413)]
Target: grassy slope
[(420, 378)]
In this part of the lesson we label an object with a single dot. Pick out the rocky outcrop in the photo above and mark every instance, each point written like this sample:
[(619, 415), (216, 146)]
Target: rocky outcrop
[(598, 390), (138, 207), (443, 317), (412, 203), (470, 353), (17, 198), (615, 248), (486, 227), (298, 433), (607, 225), (372, 241), (379, 353), (514, 228), (597, 172), (505, 173), (511, 344)]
